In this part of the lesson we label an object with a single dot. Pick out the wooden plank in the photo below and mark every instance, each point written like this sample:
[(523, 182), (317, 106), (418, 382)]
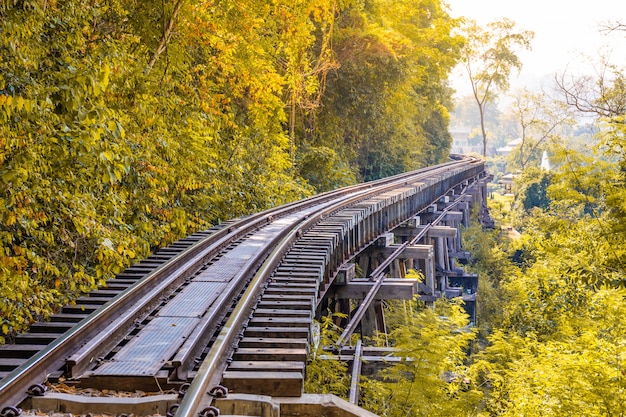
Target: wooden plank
[(67, 318), (55, 327), (273, 342), (286, 297), (96, 301), (24, 351), (9, 364), (272, 354), (295, 278), (298, 304), (35, 338), (79, 309), (454, 216), (83, 405), (280, 321), (276, 384), (292, 284), (267, 366), (276, 312), (282, 332), (391, 289), (273, 289), (364, 358), (410, 252), (298, 276), (442, 231)]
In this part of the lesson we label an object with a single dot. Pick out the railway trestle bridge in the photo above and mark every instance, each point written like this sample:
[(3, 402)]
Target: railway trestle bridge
[(226, 317)]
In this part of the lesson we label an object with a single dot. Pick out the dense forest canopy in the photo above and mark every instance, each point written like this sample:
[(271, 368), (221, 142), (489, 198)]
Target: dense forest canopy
[(125, 125)]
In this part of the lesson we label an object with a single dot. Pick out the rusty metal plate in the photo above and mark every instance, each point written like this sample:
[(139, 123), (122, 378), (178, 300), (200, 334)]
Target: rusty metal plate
[(221, 271), (146, 354), (194, 300), (226, 267)]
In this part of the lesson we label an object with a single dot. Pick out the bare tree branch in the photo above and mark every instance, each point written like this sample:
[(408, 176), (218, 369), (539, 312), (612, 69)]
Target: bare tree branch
[(612, 26), (603, 95)]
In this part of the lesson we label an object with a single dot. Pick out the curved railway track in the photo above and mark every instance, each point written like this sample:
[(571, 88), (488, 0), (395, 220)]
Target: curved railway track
[(231, 305)]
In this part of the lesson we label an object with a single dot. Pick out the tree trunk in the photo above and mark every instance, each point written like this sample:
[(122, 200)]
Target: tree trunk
[(481, 110)]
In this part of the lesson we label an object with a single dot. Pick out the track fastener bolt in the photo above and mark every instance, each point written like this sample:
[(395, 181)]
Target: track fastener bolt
[(37, 390), (10, 412), (209, 412), (172, 411), (219, 391), (183, 390)]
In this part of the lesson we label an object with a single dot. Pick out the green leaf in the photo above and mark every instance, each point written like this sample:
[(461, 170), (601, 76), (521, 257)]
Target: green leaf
[(106, 156)]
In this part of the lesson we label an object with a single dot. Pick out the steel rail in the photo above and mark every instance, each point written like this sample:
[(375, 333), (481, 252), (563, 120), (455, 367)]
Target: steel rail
[(208, 374), (13, 387), (104, 341)]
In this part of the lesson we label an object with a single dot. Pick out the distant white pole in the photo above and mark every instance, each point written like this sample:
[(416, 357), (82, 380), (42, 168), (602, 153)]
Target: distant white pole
[(545, 161)]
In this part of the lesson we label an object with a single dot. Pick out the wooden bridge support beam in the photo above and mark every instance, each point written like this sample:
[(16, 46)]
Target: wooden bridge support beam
[(374, 320), (369, 238), (420, 257)]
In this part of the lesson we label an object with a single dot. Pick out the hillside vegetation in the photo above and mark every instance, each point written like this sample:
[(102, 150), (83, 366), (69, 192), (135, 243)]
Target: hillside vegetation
[(550, 334), (125, 125)]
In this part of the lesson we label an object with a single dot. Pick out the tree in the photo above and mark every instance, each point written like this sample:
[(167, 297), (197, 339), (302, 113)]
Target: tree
[(613, 26), (125, 126), (489, 56), (304, 55), (385, 107), (432, 381), (541, 119), (602, 95)]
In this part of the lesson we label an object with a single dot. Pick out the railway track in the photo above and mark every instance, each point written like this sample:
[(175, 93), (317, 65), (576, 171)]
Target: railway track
[(231, 306)]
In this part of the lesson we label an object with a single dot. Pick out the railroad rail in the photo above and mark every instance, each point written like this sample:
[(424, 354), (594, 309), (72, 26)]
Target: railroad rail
[(232, 306)]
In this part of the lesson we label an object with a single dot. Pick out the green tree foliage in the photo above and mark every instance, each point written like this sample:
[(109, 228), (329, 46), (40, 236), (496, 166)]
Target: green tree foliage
[(123, 128), (127, 125), (581, 372), (557, 345), (532, 189), (575, 369), (326, 374), (491, 260), (432, 380), (489, 56), (385, 107), (323, 168), (536, 353)]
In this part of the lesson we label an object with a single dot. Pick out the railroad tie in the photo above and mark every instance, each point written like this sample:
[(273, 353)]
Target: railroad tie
[(271, 357)]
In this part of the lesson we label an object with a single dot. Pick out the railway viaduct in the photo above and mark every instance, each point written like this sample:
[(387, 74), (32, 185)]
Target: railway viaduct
[(242, 317)]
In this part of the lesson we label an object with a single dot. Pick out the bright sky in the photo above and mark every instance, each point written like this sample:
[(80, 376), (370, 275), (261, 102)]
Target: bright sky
[(567, 34)]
